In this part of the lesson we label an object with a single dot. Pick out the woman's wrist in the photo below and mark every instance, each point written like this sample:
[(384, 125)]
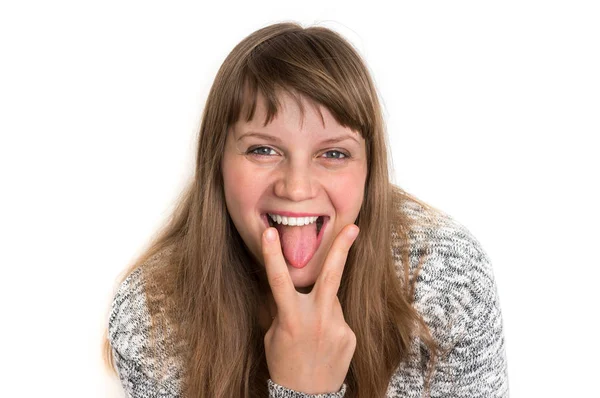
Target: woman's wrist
[(278, 391)]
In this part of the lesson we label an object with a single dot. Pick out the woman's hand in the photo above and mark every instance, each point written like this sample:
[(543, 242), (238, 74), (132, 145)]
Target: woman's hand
[(309, 345)]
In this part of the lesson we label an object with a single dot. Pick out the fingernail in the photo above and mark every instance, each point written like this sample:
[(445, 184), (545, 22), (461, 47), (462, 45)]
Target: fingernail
[(270, 235), (353, 232)]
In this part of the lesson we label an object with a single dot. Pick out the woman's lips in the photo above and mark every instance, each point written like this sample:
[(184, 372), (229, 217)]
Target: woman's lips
[(293, 214), (265, 219)]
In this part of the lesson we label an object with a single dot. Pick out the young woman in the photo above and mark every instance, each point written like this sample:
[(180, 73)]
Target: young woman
[(292, 267)]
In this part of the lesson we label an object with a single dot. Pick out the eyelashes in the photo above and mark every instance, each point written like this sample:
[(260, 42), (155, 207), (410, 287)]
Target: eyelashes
[(264, 152), (345, 155), (252, 151)]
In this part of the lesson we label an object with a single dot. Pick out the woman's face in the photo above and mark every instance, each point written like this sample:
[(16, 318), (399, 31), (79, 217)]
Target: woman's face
[(289, 167)]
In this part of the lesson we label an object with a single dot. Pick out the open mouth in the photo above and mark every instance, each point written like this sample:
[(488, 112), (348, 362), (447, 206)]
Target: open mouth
[(298, 252), (321, 221)]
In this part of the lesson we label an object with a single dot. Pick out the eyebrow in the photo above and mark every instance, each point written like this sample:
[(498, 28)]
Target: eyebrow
[(276, 139)]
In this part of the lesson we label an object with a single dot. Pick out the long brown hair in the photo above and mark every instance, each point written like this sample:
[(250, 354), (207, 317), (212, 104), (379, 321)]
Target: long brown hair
[(208, 289)]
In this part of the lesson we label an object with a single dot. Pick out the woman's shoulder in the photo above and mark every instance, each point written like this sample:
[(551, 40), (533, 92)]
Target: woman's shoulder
[(137, 343), (129, 320), (454, 277), (434, 232), (455, 293)]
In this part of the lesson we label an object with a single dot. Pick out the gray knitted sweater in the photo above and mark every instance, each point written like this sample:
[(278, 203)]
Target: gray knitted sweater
[(455, 293)]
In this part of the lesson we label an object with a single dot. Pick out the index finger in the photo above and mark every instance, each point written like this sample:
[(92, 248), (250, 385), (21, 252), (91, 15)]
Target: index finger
[(328, 282), (278, 275)]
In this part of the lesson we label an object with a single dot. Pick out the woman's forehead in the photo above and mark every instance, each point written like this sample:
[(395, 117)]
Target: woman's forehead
[(292, 105)]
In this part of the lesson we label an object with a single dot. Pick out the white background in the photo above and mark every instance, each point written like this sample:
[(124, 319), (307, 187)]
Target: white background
[(492, 111)]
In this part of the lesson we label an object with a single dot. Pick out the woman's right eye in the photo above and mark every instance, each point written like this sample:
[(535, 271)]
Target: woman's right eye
[(260, 151)]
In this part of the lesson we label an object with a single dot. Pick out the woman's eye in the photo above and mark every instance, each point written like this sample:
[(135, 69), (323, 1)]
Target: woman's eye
[(267, 152), (261, 151), (337, 155)]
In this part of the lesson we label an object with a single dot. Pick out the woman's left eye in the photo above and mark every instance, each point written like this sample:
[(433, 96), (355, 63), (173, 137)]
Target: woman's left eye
[(260, 151), (338, 153)]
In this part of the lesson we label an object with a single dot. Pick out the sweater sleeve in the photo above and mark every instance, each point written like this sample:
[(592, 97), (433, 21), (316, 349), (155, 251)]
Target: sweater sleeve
[(128, 332), (475, 366), (481, 353), (277, 391)]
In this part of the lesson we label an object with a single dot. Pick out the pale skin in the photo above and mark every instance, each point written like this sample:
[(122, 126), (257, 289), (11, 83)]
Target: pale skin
[(293, 165), (309, 345)]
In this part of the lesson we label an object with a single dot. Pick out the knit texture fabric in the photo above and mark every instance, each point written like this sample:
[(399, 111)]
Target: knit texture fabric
[(455, 293)]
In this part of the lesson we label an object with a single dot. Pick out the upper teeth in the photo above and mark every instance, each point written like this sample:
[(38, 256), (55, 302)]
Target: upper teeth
[(292, 220)]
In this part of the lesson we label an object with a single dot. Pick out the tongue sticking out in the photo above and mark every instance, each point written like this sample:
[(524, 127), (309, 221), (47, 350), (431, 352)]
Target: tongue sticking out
[(299, 244)]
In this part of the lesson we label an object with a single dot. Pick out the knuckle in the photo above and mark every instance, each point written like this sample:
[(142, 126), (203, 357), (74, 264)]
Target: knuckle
[(332, 278), (279, 279), (291, 327), (351, 337), (345, 335), (342, 334), (267, 338), (352, 341)]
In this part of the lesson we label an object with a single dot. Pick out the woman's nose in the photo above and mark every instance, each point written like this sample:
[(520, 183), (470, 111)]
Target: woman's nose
[(295, 183)]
